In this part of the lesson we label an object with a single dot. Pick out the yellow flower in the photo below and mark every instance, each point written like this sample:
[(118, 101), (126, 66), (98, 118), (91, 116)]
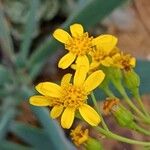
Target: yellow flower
[(78, 45), (79, 136), (124, 61), (70, 97), (105, 48)]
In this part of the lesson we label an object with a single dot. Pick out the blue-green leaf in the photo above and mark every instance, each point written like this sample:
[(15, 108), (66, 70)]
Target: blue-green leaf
[(5, 37), (33, 136), (30, 26), (5, 120), (143, 69), (7, 145), (4, 75)]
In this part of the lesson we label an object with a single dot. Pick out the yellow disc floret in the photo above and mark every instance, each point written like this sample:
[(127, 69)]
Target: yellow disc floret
[(79, 136), (73, 96), (79, 45)]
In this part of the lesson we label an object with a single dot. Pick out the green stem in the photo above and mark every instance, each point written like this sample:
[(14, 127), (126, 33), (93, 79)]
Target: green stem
[(141, 130), (122, 91), (137, 96), (109, 134), (97, 108), (108, 91)]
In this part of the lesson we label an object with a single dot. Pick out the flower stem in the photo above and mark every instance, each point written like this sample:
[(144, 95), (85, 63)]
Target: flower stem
[(141, 130), (109, 134), (138, 98), (108, 91), (98, 110), (122, 91)]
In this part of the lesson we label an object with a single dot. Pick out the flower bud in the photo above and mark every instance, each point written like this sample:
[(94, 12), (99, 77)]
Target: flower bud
[(115, 73), (132, 80), (93, 144), (123, 117)]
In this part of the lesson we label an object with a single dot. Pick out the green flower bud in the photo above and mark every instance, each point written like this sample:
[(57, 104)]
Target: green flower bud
[(132, 80), (115, 73), (123, 116), (93, 144)]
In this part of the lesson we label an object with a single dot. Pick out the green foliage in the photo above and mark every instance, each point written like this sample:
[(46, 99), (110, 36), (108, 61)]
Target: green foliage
[(5, 39), (4, 75), (31, 135), (7, 145), (19, 11)]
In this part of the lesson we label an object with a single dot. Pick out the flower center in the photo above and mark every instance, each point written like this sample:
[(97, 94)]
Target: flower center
[(98, 55), (73, 96), (80, 45), (126, 62)]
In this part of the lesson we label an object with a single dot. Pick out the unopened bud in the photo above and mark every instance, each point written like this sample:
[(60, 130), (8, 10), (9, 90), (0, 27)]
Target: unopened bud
[(132, 80), (93, 144), (115, 73), (123, 117)]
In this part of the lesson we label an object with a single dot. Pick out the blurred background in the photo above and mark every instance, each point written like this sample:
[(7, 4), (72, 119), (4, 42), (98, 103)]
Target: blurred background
[(29, 55)]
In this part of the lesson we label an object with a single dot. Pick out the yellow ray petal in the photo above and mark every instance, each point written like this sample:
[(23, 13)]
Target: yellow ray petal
[(49, 89), (61, 35), (94, 65), (67, 117), (38, 100), (89, 115), (56, 111), (66, 60), (76, 30), (73, 66), (133, 62), (66, 79), (107, 61), (94, 80), (105, 42), (80, 75), (83, 60)]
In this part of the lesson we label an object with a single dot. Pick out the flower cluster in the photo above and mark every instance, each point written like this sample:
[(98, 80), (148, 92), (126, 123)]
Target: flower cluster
[(86, 53), (97, 61)]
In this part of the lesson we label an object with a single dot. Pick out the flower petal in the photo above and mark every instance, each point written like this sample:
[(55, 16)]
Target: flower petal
[(76, 30), (94, 65), (56, 111), (38, 100), (94, 80), (49, 89), (83, 60), (61, 35), (80, 75), (73, 66), (66, 79), (107, 61), (89, 115), (133, 62), (67, 117), (105, 42), (66, 60)]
